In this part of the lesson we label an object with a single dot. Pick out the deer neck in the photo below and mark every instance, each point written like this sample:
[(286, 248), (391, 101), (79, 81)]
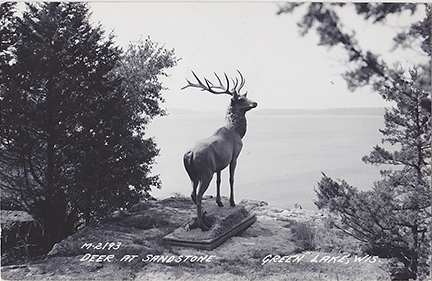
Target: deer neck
[(236, 121)]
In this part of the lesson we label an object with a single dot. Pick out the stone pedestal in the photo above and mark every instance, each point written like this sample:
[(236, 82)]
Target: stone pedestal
[(228, 221)]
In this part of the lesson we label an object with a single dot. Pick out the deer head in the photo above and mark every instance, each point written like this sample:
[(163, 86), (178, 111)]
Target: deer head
[(241, 104)]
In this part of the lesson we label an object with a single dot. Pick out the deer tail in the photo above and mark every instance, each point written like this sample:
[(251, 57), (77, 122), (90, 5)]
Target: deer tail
[(188, 163)]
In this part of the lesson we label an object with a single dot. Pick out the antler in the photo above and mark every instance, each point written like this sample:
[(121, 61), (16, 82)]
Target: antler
[(209, 87)]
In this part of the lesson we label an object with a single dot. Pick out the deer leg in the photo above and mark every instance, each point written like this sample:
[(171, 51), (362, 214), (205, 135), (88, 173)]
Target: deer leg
[(194, 189), (203, 185), (232, 169), (218, 183)]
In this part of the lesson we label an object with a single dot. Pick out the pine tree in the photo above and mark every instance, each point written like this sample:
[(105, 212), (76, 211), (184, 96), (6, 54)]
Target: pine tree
[(365, 67), (394, 218), (73, 142)]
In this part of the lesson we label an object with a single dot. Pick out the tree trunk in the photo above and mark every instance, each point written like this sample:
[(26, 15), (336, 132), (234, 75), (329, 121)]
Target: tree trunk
[(50, 139)]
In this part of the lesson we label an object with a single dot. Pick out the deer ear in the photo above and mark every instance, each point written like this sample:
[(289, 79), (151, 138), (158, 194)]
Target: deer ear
[(245, 95)]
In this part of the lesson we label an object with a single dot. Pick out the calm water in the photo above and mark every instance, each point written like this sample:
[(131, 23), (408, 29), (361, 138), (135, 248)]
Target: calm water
[(282, 157)]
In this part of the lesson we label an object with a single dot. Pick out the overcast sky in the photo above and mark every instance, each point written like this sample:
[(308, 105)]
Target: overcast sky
[(282, 69)]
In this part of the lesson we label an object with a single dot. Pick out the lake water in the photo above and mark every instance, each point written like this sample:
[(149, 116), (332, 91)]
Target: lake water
[(282, 157)]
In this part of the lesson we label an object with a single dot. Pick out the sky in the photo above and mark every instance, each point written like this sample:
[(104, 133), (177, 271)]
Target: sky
[(282, 69)]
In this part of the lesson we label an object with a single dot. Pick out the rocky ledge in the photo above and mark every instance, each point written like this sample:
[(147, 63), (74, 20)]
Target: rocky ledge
[(282, 244)]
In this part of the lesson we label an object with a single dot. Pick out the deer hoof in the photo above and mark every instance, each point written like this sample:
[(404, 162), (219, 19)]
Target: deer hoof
[(220, 204), (204, 227), (232, 203), (207, 222)]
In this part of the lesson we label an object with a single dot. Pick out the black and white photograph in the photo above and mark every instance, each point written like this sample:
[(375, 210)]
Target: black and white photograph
[(215, 140)]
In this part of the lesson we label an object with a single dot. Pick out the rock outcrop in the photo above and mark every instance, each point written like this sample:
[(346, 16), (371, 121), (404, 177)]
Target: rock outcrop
[(20, 236), (128, 245)]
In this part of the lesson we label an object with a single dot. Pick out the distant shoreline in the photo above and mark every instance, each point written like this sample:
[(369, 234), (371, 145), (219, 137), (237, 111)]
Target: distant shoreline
[(328, 111)]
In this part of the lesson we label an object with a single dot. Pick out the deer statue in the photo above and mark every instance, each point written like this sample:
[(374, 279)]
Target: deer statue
[(215, 153)]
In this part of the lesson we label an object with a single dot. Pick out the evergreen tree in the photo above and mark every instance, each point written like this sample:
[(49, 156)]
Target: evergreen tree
[(393, 219), (365, 67), (73, 140), (8, 31)]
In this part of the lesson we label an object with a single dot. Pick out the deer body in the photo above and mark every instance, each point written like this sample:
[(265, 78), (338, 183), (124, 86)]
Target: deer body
[(213, 154)]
